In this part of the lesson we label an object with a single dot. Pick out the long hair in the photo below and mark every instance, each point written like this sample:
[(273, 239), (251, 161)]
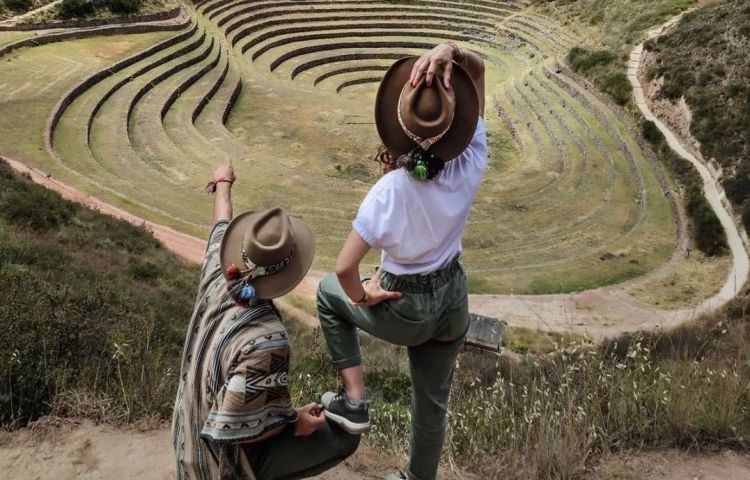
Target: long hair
[(389, 162)]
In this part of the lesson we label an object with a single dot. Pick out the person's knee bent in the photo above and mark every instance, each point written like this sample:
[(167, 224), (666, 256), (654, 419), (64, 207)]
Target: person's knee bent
[(325, 289)]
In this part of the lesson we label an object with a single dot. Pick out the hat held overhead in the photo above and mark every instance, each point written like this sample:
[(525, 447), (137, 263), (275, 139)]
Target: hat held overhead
[(428, 120)]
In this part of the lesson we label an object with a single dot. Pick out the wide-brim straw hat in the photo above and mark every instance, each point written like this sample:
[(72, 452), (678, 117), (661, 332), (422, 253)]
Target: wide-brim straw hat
[(442, 120), (279, 246)]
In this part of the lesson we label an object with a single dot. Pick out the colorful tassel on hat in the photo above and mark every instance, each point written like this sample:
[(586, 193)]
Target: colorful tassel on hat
[(233, 272), (247, 293), (422, 164), (420, 170)]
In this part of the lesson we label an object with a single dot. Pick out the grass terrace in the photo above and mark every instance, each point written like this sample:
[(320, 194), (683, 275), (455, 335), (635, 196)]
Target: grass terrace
[(285, 91)]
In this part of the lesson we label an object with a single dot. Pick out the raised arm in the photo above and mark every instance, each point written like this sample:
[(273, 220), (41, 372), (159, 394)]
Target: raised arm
[(440, 60), (222, 186)]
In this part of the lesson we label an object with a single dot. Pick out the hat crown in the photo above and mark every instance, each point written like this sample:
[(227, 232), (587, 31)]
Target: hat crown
[(426, 110), (269, 239)]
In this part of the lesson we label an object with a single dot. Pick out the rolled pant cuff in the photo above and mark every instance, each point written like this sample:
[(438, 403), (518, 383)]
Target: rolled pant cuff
[(347, 362)]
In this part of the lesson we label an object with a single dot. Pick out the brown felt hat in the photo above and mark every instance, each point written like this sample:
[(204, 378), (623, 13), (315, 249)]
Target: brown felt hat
[(277, 247), (442, 120)]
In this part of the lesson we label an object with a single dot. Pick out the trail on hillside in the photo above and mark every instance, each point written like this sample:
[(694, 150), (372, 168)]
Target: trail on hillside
[(738, 274)]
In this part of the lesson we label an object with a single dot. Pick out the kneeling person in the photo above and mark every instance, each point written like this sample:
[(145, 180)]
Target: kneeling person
[(233, 415)]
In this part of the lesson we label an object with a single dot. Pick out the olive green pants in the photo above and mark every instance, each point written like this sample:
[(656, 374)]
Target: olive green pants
[(430, 319)]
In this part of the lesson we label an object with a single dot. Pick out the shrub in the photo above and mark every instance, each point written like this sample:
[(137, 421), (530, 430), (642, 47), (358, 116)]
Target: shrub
[(123, 6), (737, 188), (76, 8), (651, 133), (710, 237), (18, 5), (602, 68), (583, 60), (143, 269), (708, 234), (617, 85), (39, 209), (745, 214)]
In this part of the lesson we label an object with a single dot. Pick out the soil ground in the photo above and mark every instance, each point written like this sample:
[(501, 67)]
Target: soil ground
[(64, 449)]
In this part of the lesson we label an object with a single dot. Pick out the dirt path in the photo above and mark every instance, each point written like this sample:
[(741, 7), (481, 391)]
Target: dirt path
[(68, 450), (673, 465), (713, 192)]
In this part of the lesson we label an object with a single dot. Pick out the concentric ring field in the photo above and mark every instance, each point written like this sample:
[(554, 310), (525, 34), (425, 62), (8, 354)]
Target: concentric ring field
[(285, 89)]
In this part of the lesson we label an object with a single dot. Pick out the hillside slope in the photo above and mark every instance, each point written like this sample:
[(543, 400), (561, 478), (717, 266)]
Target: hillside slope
[(704, 61)]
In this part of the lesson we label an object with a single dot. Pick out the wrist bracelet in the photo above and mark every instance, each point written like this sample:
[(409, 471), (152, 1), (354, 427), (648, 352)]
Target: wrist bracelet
[(458, 55), (211, 186)]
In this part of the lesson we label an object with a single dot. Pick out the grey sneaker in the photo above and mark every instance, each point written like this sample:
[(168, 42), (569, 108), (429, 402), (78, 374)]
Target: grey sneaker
[(355, 419), (396, 476)]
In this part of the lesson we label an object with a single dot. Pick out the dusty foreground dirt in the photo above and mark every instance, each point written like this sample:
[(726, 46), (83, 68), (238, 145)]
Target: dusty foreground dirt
[(673, 465), (65, 450), (81, 450)]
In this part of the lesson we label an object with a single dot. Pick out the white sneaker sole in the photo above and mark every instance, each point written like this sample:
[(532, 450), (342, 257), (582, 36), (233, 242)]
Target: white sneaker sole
[(348, 425)]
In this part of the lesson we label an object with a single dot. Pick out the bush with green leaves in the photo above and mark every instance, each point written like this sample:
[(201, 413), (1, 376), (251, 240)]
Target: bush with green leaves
[(76, 8), (18, 5), (603, 68), (38, 209), (708, 234)]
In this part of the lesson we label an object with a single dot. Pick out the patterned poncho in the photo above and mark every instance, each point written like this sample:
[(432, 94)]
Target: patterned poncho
[(233, 378)]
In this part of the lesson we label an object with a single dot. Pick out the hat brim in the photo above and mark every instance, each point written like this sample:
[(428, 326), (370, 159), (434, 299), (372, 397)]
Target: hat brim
[(282, 282), (464, 123)]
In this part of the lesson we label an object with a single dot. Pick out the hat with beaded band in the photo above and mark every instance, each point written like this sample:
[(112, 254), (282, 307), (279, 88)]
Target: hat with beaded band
[(271, 250), (442, 121)]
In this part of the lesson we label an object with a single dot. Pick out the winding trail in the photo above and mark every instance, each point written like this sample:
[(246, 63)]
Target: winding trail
[(597, 313), (738, 274)]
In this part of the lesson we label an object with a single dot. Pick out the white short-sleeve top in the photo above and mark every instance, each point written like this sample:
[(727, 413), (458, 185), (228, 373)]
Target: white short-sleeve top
[(418, 224)]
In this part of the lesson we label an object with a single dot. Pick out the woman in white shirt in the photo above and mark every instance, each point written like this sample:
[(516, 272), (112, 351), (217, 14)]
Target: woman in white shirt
[(429, 114)]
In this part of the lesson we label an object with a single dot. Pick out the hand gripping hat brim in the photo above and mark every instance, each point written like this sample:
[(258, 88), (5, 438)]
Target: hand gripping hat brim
[(461, 131), (283, 281)]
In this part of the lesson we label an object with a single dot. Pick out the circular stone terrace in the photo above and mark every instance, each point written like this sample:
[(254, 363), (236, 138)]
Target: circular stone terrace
[(284, 89)]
